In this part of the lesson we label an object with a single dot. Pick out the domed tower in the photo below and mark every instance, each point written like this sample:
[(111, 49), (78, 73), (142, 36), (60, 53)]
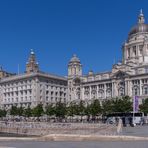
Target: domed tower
[(135, 49), (74, 78), (32, 65), (74, 67)]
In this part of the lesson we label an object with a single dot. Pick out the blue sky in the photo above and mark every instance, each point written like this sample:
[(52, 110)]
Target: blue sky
[(56, 29)]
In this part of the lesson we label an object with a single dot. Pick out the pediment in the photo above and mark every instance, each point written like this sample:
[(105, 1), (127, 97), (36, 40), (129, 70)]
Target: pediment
[(120, 75)]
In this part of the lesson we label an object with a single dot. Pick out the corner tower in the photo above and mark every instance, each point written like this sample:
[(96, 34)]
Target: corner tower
[(74, 78), (32, 65)]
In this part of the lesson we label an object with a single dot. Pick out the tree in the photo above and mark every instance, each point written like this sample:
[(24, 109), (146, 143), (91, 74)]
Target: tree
[(20, 111), (28, 112), (3, 113), (144, 106), (95, 108), (60, 110), (50, 110), (14, 111), (123, 104), (38, 110), (81, 109), (88, 111), (107, 106), (70, 109)]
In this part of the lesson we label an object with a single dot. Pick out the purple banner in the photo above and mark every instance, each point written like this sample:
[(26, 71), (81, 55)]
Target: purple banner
[(135, 104)]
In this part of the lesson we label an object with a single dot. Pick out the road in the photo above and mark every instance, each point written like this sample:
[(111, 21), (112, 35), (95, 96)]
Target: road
[(136, 144), (140, 131)]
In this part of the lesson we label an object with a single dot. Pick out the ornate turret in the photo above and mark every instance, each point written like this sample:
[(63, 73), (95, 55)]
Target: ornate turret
[(32, 65), (74, 67), (141, 19)]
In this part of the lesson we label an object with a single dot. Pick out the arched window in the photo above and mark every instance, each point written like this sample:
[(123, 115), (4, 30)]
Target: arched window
[(145, 90), (121, 91), (94, 94), (135, 90), (86, 95), (78, 95), (108, 93), (101, 93)]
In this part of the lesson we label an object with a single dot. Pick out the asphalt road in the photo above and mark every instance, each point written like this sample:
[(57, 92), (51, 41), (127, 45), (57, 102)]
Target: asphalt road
[(140, 131), (137, 144)]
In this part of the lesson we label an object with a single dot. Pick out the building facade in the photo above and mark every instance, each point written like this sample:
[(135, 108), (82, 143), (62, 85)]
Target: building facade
[(129, 77), (32, 87)]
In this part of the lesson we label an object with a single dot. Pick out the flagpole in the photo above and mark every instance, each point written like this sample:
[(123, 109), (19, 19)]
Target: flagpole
[(133, 109), (18, 69)]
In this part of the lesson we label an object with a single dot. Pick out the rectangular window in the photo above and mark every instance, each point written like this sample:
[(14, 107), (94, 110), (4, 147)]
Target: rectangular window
[(141, 49), (145, 90), (128, 52), (134, 50)]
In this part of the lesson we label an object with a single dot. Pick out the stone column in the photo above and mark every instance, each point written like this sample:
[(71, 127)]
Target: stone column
[(105, 90), (112, 89), (97, 92), (130, 88), (90, 92), (140, 88), (82, 93), (126, 88)]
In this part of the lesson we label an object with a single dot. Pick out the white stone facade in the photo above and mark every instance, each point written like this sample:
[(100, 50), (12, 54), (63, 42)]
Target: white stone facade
[(32, 87), (129, 77)]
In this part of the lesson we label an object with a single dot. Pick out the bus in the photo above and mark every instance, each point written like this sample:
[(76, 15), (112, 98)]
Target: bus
[(127, 118)]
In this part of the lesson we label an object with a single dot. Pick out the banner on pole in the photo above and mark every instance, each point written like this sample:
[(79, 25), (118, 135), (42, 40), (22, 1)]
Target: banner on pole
[(135, 104)]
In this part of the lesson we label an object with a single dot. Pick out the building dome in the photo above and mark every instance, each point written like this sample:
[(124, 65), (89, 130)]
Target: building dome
[(74, 59), (141, 27)]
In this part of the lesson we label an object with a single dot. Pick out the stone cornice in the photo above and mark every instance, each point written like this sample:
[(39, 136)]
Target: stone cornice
[(25, 76)]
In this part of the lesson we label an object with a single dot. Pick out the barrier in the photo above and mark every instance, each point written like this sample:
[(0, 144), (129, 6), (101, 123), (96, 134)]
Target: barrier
[(45, 128)]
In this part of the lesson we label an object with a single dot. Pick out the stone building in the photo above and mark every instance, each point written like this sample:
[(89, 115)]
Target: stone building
[(129, 77), (32, 87)]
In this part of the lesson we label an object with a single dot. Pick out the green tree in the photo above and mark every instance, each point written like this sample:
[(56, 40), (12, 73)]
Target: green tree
[(3, 113), (38, 110), (28, 112), (107, 106), (81, 109), (50, 110), (123, 104), (14, 111), (144, 106), (60, 110), (20, 111), (72, 110), (95, 108)]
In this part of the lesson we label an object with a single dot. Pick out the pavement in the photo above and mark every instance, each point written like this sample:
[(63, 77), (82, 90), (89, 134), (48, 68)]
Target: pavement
[(84, 144), (65, 137), (139, 133)]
